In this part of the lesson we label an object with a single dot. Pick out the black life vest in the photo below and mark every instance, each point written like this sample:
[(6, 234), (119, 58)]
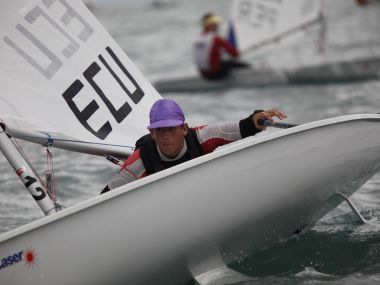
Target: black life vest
[(151, 158)]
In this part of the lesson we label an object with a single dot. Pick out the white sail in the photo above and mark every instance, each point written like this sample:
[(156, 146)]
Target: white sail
[(66, 79), (256, 22)]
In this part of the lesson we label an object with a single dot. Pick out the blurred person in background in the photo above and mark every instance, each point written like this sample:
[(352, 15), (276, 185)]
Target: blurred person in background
[(210, 50)]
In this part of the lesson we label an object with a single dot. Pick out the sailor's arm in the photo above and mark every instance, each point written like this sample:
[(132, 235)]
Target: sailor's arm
[(212, 136), (132, 169), (221, 42)]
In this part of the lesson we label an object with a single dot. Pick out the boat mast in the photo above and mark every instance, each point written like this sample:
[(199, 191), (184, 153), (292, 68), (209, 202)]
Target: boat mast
[(25, 173)]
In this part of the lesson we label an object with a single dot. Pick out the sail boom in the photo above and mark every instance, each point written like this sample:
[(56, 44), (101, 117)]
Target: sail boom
[(61, 141)]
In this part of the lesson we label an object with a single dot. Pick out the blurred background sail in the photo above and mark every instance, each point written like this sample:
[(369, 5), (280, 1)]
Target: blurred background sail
[(257, 22)]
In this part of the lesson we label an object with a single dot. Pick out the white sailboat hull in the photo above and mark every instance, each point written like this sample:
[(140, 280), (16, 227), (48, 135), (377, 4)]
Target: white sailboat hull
[(337, 72), (228, 204)]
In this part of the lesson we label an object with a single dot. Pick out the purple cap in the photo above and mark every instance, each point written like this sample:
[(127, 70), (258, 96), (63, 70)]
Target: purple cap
[(165, 113)]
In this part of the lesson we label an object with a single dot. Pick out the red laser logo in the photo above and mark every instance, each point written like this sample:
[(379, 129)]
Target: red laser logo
[(30, 257)]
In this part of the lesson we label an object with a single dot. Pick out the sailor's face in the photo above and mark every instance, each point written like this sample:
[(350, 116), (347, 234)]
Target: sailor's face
[(170, 140), (213, 28)]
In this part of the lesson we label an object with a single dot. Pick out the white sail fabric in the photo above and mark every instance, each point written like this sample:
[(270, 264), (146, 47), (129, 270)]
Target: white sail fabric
[(63, 75), (255, 22)]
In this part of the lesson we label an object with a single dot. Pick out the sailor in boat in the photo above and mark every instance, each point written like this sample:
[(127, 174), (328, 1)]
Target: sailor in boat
[(171, 141), (209, 49)]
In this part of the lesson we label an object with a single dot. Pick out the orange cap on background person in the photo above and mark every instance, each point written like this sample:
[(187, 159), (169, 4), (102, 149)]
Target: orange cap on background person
[(210, 19)]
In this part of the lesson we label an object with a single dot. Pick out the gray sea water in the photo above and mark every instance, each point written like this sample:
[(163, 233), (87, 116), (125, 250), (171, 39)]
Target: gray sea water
[(338, 250)]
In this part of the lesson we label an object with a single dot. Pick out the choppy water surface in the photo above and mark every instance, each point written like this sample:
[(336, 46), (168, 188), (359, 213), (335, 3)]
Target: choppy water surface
[(338, 250)]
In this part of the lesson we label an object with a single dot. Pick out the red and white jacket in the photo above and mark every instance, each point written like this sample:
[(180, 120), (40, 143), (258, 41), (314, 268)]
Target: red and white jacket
[(210, 137), (208, 52)]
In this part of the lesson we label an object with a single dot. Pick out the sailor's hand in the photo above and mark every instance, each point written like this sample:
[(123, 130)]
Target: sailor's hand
[(267, 115)]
